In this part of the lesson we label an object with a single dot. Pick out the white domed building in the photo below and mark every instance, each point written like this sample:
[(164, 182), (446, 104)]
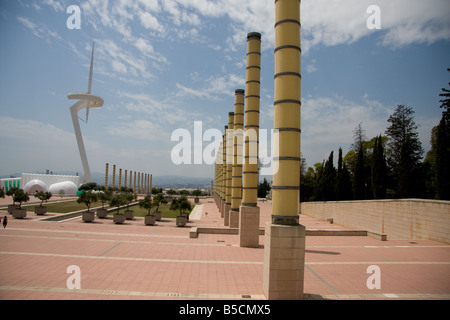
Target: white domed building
[(34, 186), (58, 185), (65, 188)]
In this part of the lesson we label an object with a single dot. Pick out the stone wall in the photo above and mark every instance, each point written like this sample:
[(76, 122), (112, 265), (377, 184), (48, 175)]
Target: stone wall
[(398, 219)]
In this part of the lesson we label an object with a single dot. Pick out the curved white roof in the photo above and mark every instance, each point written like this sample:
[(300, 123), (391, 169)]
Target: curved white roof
[(66, 188), (35, 186)]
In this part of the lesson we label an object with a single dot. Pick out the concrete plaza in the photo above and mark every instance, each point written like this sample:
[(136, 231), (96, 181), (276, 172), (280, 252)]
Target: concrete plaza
[(134, 261)]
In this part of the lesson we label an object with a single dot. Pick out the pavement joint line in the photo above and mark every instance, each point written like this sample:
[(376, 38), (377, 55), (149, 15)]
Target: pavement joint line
[(114, 240), (100, 233), (181, 295), (129, 258), (114, 246), (219, 261), (387, 295), (320, 278)]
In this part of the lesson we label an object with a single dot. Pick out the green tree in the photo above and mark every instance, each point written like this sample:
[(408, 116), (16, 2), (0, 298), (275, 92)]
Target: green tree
[(104, 197), (88, 186), (43, 196), (405, 151), (443, 148), (359, 181), (379, 172), (329, 179), (158, 200), (263, 188), (343, 182), (146, 203), (319, 186), (88, 198), (117, 201), (181, 204), (20, 196)]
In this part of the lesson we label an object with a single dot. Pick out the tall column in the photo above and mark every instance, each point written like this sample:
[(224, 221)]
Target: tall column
[(224, 172), (125, 179), (284, 250), (134, 183), (114, 176), (219, 176), (131, 175), (237, 143), (120, 178), (249, 211), (229, 168), (106, 176), (151, 186), (138, 190)]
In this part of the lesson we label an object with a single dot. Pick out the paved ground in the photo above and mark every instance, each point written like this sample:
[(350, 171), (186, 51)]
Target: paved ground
[(133, 261)]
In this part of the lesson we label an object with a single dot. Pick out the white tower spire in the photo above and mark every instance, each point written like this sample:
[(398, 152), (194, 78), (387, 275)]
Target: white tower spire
[(85, 100)]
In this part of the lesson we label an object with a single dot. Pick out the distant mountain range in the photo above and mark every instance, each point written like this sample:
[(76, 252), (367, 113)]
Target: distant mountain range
[(175, 182)]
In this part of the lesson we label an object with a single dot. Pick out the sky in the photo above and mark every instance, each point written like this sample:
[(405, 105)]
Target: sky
[(163, 65)]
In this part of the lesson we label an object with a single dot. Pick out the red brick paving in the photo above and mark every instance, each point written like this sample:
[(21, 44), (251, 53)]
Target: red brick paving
[(133, 261)]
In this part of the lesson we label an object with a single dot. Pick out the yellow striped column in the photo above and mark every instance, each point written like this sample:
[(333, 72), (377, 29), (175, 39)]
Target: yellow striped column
[(224, 171), (114, 176), (284, 248), (236, 171), (120, 178), (131, 178), (249, 211), (229, 168), (106, 176)]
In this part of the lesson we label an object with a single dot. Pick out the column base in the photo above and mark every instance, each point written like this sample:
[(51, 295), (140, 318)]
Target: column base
[(284, 261), (226, 214), (234, 219), (249, 227)]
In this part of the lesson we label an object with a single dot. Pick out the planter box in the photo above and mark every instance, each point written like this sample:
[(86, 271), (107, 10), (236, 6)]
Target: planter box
[(119, 218), (19, 213), (129, 214), (12, 207), (40, 211), (181, 221), (102, 213), (150, 220), (88, 216), (185, 215), (157, 216)]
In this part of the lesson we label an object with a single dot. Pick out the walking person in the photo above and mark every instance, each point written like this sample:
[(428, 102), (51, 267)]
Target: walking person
[(5, 222)]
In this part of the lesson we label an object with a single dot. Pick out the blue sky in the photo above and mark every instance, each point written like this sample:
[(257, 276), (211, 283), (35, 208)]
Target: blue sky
[(161, 65)]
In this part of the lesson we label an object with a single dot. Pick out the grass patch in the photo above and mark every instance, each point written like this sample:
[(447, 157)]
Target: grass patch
[(141, 212), (62, 207)]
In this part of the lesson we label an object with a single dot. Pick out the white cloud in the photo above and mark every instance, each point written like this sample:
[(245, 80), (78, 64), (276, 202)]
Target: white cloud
[(56, 5), (39, 31), (149, 21), (328, 123)]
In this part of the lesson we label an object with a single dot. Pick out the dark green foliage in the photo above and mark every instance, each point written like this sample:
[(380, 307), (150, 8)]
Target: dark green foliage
[(263, 189), (405, 151), (379, 170)]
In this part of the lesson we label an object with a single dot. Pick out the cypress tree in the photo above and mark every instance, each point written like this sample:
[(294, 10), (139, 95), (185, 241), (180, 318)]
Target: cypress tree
[(329, 179), (405, 151), (359, 183), (378, 170), (343, 183), (443, 148)]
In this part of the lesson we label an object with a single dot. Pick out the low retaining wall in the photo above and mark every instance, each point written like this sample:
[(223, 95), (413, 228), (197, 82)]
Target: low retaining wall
[(398, 219)]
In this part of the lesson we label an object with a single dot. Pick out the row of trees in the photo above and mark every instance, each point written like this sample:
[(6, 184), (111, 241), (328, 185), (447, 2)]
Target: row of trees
[(386, 166)]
